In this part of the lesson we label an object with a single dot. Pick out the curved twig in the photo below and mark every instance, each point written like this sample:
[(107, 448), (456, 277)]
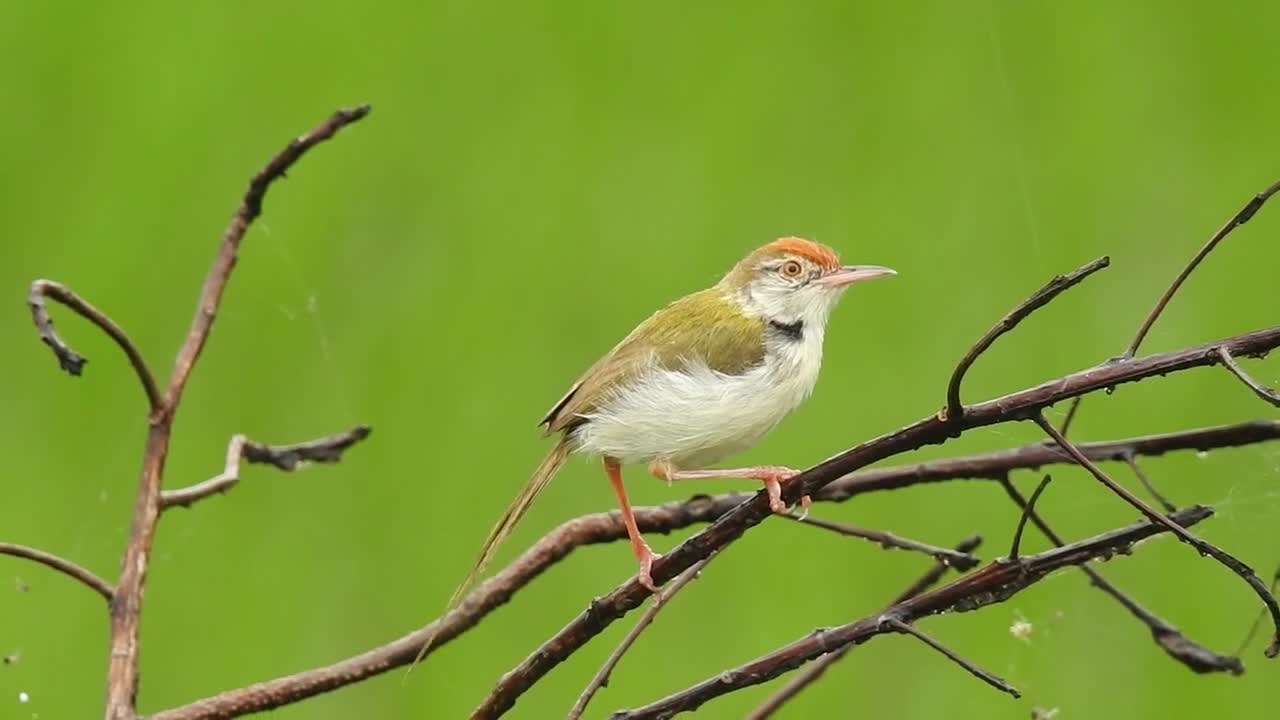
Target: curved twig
[(62, 565), (1041, 297), (1241, 217), (285, 457), (1027, 508), (1258, 388), (68, 359)]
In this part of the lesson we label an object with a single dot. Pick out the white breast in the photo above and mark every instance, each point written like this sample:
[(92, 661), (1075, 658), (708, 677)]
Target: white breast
[(697, 416)]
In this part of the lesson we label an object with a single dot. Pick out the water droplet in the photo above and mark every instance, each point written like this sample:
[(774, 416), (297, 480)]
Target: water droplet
[(23, 697), (1202, 454)]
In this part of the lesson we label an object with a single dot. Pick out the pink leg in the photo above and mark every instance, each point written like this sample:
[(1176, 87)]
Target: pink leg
[(643, 552), (771, 475)]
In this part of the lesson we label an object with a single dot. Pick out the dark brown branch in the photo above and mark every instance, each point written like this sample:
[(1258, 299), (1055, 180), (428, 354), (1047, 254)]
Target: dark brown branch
[(1179, 647), (1027, 508), (960, 560), (126, 605), (1042, 297), (1132, 462), (606, 527), (995, 465), (1243, 571), (62, 565), (601, 678), (68, 359), (1241, 217), (986, 677), (994, 583), (285, 457), (1258, 388), (930, 430), (816, 669)]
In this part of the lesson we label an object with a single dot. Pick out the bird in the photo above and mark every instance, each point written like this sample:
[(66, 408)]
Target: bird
[(703, 378)]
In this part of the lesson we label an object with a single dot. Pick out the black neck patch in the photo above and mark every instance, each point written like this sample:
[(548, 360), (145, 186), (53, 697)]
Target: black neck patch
[(792, 332)]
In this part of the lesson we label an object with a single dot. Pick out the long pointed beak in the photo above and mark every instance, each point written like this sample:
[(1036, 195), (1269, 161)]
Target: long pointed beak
[(854, 273)]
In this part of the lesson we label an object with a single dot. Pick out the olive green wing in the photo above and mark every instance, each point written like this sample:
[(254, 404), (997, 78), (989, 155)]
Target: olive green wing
[(702, 327)]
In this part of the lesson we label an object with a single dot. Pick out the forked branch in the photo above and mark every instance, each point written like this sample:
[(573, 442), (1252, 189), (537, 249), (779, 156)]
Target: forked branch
[(1262, 391)]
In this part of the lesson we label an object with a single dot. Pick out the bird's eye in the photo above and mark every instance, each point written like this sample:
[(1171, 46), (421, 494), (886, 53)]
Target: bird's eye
[(791, 269)]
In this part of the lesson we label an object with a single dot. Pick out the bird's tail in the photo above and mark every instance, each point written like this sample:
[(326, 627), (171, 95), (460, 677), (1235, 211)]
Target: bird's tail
[(541, 477)]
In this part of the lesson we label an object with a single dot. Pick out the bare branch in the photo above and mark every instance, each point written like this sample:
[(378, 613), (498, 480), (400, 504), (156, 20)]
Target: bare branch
[(62, 565), (126, 606), (930, 430), (1027, 508), (995, 465), (1233, 564), (601, 678), (986, 677), (994, 583), (285, 457), (960, 560), (1181, 648), (68, 359), (1042, 297), (1241, 217), (1258, 388), (816, 669)]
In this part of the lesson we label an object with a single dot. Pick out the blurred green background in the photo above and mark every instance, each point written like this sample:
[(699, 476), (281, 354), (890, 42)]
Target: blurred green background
[(532, 182)]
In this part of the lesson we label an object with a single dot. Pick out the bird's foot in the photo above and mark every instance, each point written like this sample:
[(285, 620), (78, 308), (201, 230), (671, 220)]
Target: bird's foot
[(773, 477), (646, 556)]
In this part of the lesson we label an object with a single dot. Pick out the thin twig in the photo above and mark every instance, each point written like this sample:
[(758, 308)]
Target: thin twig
[(1042, 297), (995, 465), (1258, 388), (601, 678), (1241, 217), (959, 560), (1243, 571), (1072, 409), (62, 565), (1027, 509), (68, 359), (815, 670), (930, 430), (1262, 614), (993, 583), (986, 677), (126, 606), (1193, 655), (285, 457), (1132, 462)]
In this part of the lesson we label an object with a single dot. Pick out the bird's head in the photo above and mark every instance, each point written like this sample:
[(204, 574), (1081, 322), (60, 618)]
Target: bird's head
[(794, 280)]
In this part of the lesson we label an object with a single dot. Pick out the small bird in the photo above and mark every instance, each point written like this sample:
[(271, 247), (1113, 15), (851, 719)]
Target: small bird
[(701, 379)]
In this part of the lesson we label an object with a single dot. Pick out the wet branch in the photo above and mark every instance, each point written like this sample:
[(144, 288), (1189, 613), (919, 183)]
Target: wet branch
[(994, 583), (1262, 391)]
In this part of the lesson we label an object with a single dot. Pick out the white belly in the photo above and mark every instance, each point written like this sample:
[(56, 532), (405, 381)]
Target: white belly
[(696, 416)]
